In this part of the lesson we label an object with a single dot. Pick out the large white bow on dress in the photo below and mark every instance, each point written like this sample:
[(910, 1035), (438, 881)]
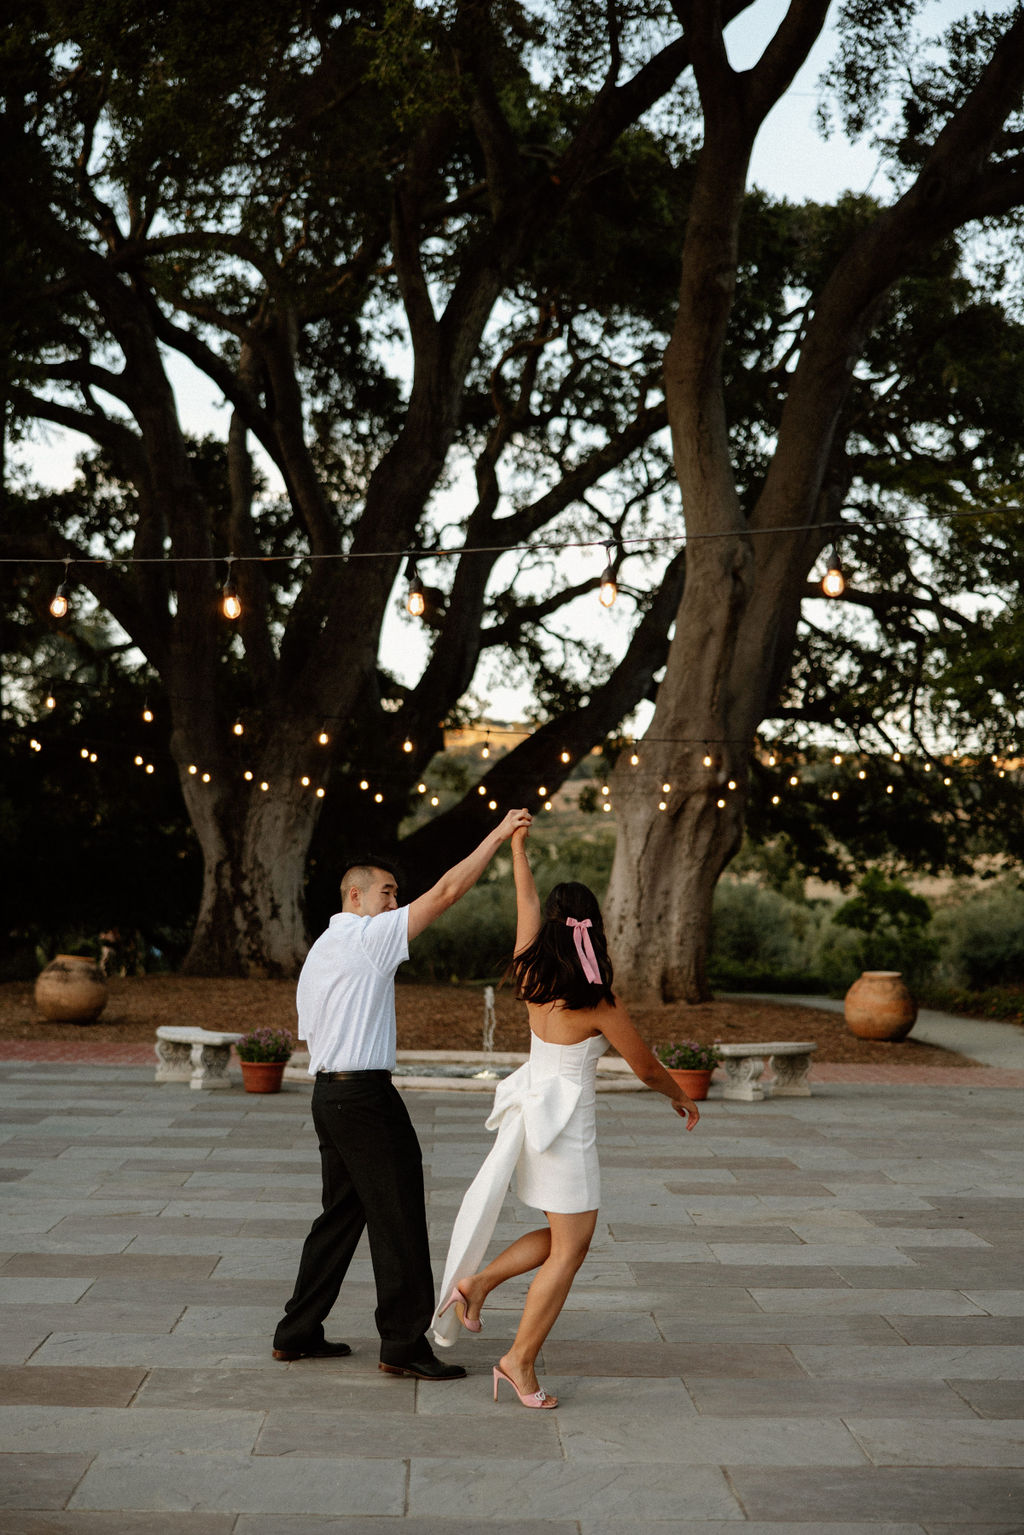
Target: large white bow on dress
[(526, 1111)]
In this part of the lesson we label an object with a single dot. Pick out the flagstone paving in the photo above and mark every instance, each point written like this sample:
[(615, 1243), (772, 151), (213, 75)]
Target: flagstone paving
[(807, 1318)]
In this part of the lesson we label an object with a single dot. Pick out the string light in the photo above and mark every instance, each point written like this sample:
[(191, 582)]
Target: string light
[(485, 750), (609, 586), (229, 603), (662, 805), (320, 793), (378, 799), (49, 702), (206, 779), (149, 767), (407, 745), (492, 804), (363, 783), (416, 601), (61, 600), (323, 738), (193, 770), (542, 791), (304, 781), (480, 789), (35, 745), (137, 761), (709, 761), (238, 728), (564, 757), (665, 788), (548, 805), (264, 786), (434, 800), (247, 775), (834, 582), (421, 788), (147, 714), (634, 760)]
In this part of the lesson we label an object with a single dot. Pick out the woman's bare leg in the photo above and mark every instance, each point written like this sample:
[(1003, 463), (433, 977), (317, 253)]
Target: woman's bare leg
[(570, 1242), (527, 1252)]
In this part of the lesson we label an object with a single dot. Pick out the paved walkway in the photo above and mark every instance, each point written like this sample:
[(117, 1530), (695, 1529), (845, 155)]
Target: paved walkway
[(804, 1319)]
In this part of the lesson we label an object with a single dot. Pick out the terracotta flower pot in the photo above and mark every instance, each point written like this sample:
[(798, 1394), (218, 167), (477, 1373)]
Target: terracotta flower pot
[(879, 1006), (262, 1076), (71, 989), (695, 1084)]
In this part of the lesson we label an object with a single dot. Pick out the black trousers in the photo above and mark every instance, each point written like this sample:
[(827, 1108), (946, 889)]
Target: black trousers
[(372, 1170)]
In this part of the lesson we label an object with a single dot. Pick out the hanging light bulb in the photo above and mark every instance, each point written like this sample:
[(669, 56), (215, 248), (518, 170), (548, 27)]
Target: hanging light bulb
[(634, 760), (61, 600), (564, 757), (147, 713), (238, 728), (416, 601), (320, 793), (609, 586), (709, 761), (229, 603), (485, 750), (834, 582), (49, 702)]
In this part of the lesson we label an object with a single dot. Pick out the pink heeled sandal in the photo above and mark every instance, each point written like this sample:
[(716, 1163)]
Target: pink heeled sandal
[(538, 1398), (459, 1301)]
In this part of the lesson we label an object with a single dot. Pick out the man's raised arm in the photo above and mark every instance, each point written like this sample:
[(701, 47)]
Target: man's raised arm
[(451, 886)]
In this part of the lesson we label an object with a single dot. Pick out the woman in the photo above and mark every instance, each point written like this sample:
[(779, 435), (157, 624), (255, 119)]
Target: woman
[(545, 1117)]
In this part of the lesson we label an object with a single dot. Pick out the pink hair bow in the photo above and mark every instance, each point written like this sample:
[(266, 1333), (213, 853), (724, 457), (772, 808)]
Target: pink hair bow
[(585, 949)]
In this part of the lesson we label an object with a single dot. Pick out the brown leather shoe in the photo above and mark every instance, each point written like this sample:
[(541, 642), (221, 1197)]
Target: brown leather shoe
[(322, 1350)]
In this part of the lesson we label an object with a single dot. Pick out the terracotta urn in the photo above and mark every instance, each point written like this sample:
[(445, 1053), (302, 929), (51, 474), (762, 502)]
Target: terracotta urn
[(262, 1076), (695, 1084), (71, 989), (879, 1006)]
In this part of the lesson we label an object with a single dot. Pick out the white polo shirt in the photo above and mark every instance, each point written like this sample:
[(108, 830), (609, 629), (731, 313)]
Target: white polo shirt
[(346, 992)]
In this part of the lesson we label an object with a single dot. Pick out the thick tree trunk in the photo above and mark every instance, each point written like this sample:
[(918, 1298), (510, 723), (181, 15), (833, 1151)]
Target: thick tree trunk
[(255, 844), (734, 635)]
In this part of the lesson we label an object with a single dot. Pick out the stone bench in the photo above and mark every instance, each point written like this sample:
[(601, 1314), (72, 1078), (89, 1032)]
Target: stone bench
[(197, 1056), (744, 1064)]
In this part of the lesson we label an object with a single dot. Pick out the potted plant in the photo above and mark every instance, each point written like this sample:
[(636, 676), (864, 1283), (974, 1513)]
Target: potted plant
[(264, 1054), (691, 1064)]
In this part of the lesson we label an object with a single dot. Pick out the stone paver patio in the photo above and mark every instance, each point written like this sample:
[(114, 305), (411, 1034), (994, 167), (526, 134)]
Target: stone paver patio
[(805, 1317)]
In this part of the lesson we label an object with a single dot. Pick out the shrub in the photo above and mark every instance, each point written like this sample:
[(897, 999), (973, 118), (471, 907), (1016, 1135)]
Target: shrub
[(983, 936), (759, 929)]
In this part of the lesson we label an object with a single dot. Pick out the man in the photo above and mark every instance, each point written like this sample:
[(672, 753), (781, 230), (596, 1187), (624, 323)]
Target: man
[(369, 1153)]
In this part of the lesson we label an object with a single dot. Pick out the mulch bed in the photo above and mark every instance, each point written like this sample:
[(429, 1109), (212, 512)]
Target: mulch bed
[(441, 1018)]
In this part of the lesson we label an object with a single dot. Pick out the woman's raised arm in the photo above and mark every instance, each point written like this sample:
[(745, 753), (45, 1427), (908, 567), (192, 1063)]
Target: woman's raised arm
[(527, 899)]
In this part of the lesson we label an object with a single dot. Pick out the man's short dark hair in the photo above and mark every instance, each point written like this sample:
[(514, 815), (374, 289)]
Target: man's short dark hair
[(363, 860)]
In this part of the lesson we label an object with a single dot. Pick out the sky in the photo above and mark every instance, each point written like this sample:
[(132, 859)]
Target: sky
[(790, 160)]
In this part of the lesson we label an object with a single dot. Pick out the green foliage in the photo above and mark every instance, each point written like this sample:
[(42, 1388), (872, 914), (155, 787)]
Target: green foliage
[(982, 937), (891, 923), (1005, 1003), (753, 928)]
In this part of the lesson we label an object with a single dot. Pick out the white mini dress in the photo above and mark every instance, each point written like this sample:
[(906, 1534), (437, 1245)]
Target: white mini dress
[(545, 1117)]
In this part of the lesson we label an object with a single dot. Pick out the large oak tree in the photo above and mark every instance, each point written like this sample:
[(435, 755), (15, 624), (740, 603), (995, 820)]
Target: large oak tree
[(749, 556)]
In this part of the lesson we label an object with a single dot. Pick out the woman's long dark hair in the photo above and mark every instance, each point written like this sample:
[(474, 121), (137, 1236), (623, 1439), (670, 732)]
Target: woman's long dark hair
[(549, 969)]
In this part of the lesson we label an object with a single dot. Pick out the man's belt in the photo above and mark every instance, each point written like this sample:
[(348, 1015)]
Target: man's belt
[(351, 1076)]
